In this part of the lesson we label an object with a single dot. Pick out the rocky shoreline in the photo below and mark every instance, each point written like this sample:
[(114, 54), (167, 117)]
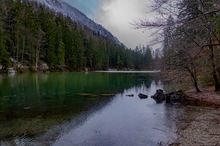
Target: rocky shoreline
[(202, 126)]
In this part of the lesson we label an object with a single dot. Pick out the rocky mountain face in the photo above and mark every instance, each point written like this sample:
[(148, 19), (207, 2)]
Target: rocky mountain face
[(77, 16)]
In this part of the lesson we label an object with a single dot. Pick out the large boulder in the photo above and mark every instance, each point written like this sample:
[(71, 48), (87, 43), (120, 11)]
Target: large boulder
[(159, 96), (179, 97), (176, 97)]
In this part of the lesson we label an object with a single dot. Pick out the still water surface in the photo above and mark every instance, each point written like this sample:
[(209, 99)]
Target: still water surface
[(84, 109)]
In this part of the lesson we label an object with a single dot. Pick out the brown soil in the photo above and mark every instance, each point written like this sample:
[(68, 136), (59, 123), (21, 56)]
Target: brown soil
[(208, 96)]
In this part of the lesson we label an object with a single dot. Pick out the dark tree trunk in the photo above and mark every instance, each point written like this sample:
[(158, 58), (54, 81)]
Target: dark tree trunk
[(194, 80), (215, 77), (193, 76), (214, 71), (197, 88)]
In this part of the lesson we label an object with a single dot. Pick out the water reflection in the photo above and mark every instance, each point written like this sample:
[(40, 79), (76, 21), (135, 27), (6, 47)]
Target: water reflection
[(120, 121), (125, 121), (1, 79), (70, 109), (34, 90)]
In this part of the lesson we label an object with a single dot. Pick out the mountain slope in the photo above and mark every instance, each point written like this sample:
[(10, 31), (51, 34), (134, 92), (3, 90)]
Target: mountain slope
[(78, 16)]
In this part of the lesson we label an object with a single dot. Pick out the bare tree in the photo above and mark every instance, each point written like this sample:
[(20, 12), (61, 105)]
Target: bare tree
[(192, 28)]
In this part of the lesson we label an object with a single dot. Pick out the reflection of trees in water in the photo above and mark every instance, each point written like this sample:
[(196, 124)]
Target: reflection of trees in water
[(45, 96), (1, 80), (35, 90), (158, 82), (44, 77)]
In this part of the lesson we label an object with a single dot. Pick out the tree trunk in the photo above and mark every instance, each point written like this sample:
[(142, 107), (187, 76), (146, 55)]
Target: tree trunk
[(193, 76), (17, 47), (17, 52), (36, 59), (37, 51), (197, 88), (22, 55), (215, 77), (195, 82), (214, 72)]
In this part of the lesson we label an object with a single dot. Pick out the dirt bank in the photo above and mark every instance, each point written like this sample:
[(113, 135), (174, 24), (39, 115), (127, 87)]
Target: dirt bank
[(208, 96)]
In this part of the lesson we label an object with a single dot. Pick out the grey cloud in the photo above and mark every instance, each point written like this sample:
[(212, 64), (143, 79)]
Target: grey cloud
[(117, 16)]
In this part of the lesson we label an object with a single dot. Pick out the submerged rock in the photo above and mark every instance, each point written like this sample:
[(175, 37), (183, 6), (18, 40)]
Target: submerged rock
[(142, 96), (130, 95)]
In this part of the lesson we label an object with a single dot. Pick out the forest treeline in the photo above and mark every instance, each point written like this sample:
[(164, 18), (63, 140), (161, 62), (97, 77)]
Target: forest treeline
[(32, 34)]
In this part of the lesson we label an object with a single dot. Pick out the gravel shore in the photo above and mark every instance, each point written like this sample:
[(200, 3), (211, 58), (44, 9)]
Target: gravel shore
[(202, 126), (202, 130)]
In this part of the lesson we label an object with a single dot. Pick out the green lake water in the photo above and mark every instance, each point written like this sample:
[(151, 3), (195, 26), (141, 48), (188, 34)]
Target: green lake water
[(80, 109)]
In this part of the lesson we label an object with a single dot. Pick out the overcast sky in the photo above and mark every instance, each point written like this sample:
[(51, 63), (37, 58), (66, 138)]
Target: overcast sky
[(117, 16)]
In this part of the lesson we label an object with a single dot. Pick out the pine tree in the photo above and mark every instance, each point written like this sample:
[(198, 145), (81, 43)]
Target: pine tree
[(61, 53), (10, 25), (4, 55), (61, 45), (149, 58), (50, 37)]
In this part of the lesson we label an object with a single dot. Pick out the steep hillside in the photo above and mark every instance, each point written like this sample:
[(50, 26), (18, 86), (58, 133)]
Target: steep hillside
[(36, 38), (78, 16)]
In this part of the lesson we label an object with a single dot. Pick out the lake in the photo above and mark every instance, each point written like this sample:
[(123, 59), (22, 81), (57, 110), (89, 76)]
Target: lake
[(85, 109)]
